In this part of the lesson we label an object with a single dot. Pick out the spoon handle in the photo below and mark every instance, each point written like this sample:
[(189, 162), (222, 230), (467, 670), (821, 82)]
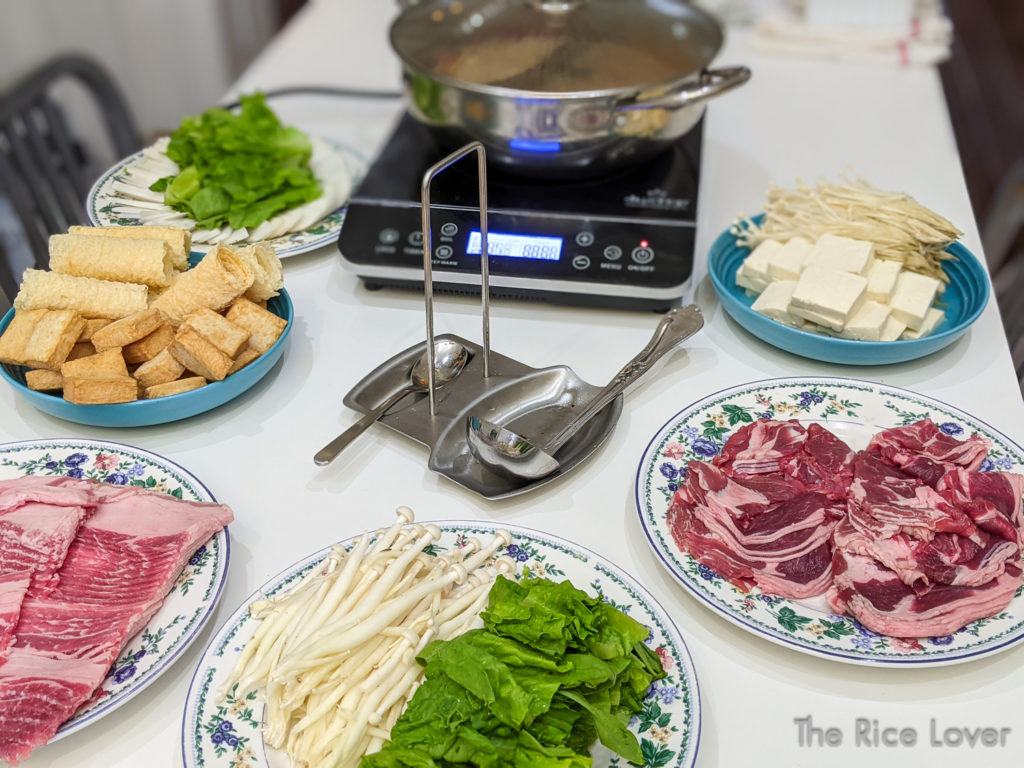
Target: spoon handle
[(328, 453), (675, 327)]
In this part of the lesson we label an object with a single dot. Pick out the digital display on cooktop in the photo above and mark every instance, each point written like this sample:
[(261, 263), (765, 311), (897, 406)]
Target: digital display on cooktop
[(516, 246)]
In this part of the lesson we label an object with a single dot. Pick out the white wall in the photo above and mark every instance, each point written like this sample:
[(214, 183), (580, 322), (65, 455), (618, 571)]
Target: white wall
[(170, 57)]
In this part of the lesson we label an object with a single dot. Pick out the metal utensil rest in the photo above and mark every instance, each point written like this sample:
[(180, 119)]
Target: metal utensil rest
[(428, 250), (537, 401)]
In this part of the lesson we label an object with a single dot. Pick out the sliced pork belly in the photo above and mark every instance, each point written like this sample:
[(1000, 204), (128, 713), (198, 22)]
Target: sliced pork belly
[(36, 536), (923, 450), (122, 563), (57, 490), (39, 518), (133, 547), (37, 694), (878, 599), (92, 631), (12, 592)]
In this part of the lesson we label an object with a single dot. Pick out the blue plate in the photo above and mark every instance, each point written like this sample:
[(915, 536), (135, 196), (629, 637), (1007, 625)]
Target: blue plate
[(962, 301), (141, 413)]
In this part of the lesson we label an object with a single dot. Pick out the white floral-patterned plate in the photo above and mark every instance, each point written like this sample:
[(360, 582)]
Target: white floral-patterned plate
[(115, 199), (226, 733), (854, 411), (191, 600)]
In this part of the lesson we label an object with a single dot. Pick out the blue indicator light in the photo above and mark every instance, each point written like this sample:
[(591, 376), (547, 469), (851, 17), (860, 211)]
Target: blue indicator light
[(532, 145)]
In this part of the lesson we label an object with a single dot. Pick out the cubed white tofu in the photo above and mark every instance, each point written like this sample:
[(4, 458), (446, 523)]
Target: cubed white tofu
[(828, 297), (754, 270), (913, 298), (842, 253), (807, 325), (892, 329), (931, 322), (867, 323), (750, 281), (882, 280), (774, 302), (788, 261)]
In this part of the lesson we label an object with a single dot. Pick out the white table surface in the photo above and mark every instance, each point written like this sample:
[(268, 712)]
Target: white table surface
[(794, 119)]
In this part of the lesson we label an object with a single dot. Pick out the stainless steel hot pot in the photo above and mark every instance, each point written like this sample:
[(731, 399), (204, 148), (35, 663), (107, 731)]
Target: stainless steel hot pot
[(558, 86)]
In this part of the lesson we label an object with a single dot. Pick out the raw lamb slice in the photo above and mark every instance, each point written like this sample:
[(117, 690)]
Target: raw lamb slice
[(942, 559), (761, 446), (37, 694), (879, 600), (12, 592), (992, 499), (923, 450), (919, 520), (121, 565), (825, 464), (876, 482), (761, 529), (814, 456)]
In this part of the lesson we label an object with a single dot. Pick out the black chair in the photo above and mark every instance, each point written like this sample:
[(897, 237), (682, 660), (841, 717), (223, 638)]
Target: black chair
[(45, 172)]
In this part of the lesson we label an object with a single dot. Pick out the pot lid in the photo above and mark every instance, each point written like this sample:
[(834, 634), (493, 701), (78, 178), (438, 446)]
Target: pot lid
[(556, 46)]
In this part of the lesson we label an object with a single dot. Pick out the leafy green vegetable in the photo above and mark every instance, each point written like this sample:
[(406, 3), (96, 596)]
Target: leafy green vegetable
[(551, 670), (238, 169)]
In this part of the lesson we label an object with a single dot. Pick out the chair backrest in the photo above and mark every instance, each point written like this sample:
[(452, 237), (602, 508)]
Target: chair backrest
[(44, 171)]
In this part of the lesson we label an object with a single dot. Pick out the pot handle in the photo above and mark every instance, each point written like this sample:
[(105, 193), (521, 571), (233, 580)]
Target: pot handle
[(712, 82)]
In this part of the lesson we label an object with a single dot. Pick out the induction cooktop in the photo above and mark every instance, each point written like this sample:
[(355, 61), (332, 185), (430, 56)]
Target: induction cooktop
[(623, 240)]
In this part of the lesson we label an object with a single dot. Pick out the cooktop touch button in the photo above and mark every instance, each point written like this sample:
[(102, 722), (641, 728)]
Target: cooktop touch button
[(449, 229), (388, 235), (643, 255), (580, 261), (613, 253), (583, 239), (443, 251)]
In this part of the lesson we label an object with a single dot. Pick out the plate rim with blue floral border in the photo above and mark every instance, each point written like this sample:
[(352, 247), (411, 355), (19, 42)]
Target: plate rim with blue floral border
[(193, 598), (101, 201), (844, 405), (221, 733)]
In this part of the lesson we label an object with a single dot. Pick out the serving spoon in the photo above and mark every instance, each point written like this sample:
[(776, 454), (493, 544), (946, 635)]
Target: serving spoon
[(504, 450), (450, 358)]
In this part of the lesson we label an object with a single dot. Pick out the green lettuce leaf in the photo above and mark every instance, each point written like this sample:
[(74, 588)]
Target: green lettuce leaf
[(552, 670), (238, 168)]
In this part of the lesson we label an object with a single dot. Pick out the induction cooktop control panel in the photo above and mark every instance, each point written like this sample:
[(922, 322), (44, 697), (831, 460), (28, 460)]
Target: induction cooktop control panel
[(625, 239), (520, 245)]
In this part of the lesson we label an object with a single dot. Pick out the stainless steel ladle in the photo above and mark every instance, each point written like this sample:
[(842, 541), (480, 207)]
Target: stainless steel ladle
[(503, 450)]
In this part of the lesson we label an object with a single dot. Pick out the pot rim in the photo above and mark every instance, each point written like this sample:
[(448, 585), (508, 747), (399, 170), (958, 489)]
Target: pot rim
[(616, 94), (518, 94)]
